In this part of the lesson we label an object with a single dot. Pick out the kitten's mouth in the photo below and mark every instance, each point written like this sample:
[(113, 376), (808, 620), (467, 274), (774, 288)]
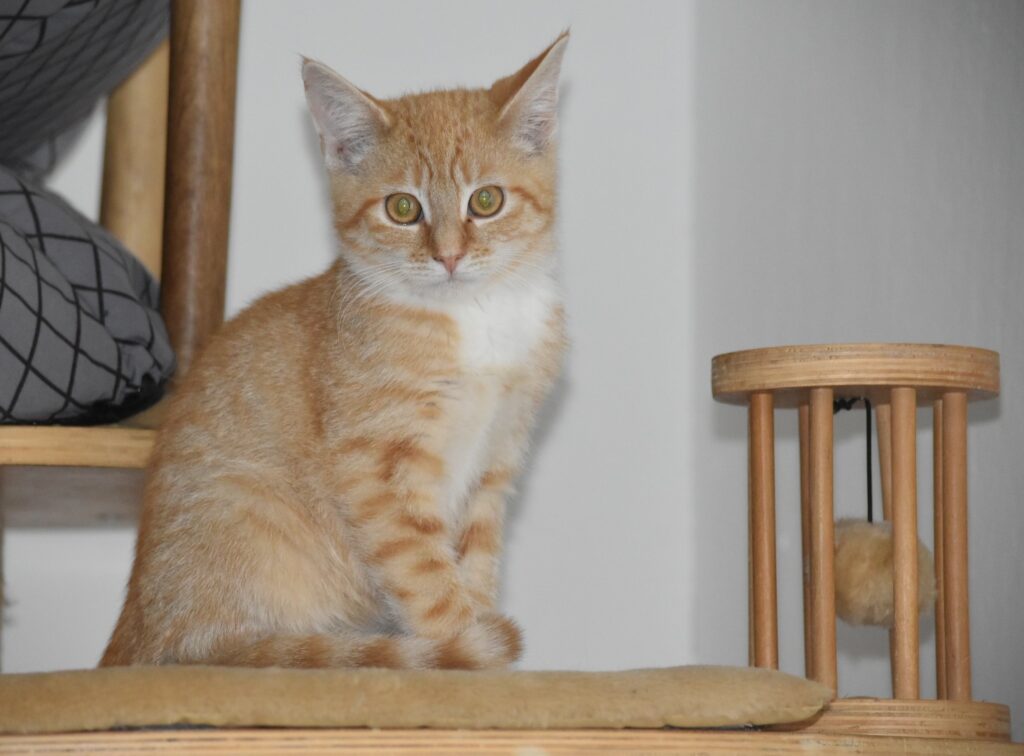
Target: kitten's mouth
[(453, 284), (457, 278)]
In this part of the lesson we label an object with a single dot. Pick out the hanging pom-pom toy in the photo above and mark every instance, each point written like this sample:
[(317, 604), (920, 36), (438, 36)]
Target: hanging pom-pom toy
[(864, 573)]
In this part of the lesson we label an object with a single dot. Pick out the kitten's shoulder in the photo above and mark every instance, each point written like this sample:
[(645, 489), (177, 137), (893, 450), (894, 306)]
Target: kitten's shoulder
[(270, 331), (300, 303)]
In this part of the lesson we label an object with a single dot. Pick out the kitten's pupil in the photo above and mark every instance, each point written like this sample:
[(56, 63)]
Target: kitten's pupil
[(485, 199), (404, 206)]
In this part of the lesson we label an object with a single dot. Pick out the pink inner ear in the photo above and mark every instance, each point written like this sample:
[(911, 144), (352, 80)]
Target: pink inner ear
[(530, 98), (503, 90), (347, 118)]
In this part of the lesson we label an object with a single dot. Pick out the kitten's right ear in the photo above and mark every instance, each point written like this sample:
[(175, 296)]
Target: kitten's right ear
[(347, 119), (529, 98)]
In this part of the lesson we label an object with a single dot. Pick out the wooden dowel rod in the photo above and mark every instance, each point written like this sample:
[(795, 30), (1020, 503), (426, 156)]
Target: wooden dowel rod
[(906, 631), (750, 565), (940, 609), (3, 603), (822, 538), (134, 159), (750, 570), (200, 140), (762, 514), (883, 416), (805, 534), (954, 537)]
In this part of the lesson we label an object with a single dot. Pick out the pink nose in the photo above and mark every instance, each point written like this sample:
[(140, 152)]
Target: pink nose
[(450, 261)]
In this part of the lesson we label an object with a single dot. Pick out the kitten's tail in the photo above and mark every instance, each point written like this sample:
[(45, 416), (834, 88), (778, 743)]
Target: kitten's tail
[(493, 641)]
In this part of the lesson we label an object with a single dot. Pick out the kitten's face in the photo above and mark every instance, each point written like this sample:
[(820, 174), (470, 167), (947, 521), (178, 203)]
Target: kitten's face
[(442, 195)]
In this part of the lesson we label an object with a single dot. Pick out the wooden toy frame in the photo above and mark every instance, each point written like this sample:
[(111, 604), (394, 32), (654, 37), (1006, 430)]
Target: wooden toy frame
[(897, 378)]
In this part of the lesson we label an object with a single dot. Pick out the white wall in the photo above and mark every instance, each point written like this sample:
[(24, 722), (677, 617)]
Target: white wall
[(860, 177), (734, 175)]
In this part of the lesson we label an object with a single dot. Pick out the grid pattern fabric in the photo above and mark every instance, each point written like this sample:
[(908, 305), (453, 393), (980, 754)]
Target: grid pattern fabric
[(81, 340), (57, 59)]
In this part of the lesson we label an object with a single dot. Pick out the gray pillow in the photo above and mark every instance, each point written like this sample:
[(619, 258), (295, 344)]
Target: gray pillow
[(57, 59), (80, 337), (81, 340)]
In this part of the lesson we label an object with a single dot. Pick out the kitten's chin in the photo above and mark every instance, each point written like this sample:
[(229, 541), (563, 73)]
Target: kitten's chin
[(449, 288)]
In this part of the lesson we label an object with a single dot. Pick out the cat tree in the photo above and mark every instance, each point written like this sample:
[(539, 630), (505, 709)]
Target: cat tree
[(897, 379)]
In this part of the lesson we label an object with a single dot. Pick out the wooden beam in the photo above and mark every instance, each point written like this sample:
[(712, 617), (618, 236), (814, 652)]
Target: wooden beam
[(823, 584), (200, 141), (761, 434), (954, 550), (906, 631), (134, 160)]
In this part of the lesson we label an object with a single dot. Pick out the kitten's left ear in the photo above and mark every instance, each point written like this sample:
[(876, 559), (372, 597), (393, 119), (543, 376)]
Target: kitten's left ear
[(529, 98), (347, 119)]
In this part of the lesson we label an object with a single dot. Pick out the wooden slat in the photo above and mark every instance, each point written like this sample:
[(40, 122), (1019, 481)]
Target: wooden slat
[(3, 584), (954, 536), (805, 534), (35, 496), (883, 416), (762, 519), (200, 140), (134, 158), (822, 538), (491, 742), (100, 446), (905, 636), (940, 606)]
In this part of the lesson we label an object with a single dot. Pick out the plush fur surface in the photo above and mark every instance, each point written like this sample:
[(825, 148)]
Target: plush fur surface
[(328, 488), (153, 696), (864, 573)]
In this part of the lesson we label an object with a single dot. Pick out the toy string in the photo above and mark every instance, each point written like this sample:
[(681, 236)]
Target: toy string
[(839, 405)]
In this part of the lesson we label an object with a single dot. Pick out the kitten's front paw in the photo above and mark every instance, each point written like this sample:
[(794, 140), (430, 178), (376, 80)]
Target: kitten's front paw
[(493, 641)]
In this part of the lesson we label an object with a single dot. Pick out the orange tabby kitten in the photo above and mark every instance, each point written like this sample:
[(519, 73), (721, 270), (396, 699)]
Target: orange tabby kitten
[(329, 486)]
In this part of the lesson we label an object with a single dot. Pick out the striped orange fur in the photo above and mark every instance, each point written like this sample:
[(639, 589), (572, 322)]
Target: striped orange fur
[(329, 486)]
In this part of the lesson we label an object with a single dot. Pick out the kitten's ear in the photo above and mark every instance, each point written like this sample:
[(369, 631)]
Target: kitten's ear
[(347, 119), (529, 98)]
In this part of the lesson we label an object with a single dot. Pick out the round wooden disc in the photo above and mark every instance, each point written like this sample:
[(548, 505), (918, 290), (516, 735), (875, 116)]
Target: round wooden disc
[(969, 720), (855, 370)]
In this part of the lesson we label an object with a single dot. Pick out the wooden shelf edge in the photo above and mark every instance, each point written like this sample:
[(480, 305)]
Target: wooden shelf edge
[(974, 721), (853, 369), (219, 741), (100, 446)]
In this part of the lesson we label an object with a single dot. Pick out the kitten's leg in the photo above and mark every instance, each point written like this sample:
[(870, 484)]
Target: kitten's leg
[(410, 547), (479, 542), (397, 520)]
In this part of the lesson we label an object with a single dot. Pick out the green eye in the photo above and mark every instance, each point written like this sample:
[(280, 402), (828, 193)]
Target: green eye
[(486, 202), (403, 208)]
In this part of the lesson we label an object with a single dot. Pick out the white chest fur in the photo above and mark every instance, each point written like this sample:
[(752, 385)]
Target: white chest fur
[(499, 329), (497, 334)]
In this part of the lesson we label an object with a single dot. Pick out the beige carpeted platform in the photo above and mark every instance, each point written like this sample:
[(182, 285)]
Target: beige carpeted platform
[(230, 697)]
